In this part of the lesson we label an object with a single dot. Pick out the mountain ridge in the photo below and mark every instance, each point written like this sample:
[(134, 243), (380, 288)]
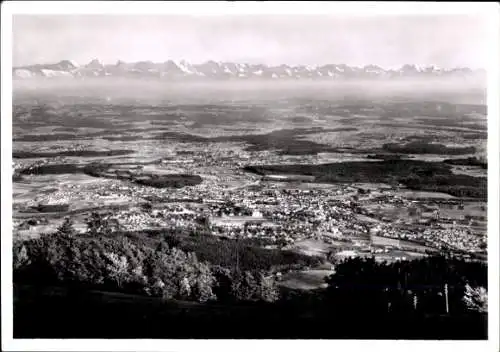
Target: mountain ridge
[(171, 69)]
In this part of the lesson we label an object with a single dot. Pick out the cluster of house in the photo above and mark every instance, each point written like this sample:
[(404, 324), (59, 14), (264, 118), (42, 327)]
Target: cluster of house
[(269, 211)]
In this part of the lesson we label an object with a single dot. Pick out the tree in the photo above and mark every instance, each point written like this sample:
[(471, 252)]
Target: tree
[(224, 281), (268, 289), (173, 274), (476, 298), (66, 227), (20, 257), (117, 268), (55, 250), (185, 288), (245, 287), (204, 283), (100, 224)]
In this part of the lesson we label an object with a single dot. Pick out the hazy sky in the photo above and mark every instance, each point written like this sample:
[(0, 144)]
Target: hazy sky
[(445, 41)]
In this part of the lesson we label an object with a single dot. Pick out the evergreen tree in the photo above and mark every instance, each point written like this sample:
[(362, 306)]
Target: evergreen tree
[(245, 287), (268, 289), (66, 227), (20, 257)]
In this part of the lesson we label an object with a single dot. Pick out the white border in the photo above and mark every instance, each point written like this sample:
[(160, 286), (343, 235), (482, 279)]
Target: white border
[(358, 8), (6, 180), (493, 101), (489, 10)]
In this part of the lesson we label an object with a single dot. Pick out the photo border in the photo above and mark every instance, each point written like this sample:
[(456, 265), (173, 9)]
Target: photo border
[(490, 11)]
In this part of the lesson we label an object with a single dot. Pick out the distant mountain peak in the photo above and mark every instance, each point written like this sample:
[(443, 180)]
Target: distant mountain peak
[(69, 63), (182, 69), (95, 64)]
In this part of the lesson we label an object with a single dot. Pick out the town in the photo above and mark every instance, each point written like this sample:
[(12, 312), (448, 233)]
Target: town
[(333, 220)]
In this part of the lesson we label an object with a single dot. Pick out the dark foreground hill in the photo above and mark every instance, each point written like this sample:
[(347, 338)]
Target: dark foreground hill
[(62, 313)]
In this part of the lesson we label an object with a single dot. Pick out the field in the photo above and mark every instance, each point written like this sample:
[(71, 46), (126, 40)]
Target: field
[(319, 171)]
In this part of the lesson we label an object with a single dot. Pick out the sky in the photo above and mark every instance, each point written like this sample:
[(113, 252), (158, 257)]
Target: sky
[(389, 41)]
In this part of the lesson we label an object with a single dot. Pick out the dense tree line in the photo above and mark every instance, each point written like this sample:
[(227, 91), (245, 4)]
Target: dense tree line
[(81, 153), (96, 169), (169, 181), (46, 137), (152, 180), (51, 169), (406, 286), (415, 174), (456, 123), (471, 161), (422, 147), (243, 254), (49, 208), (478, 135), (236, 254), (456, 185), (386, 156), (117, 263)]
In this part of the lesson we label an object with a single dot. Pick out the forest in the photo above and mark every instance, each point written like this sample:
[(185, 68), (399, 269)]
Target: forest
[(471, 161), (80, 153), (420, 147), (414, 174)]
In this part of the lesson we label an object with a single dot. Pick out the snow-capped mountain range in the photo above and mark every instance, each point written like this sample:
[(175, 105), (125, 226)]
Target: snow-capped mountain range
[(175, 70)]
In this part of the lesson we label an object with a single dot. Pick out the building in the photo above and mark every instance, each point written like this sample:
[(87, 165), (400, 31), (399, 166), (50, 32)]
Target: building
[(346, 254), (237, 221), (385, 241), (297, 178)]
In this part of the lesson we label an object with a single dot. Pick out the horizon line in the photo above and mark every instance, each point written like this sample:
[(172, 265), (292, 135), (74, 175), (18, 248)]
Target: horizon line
[(391, 67)]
